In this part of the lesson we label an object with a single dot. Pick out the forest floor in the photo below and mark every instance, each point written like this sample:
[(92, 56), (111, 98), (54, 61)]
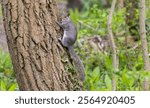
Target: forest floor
[(3, 41)]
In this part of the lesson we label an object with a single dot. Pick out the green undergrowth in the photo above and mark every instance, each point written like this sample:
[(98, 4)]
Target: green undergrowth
[(7, 76)]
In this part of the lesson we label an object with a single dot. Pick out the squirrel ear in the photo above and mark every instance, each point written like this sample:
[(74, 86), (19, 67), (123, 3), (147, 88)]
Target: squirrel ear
[(67, 12)]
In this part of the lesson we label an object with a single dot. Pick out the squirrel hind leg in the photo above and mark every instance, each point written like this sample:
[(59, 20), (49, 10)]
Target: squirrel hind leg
[(65, 42)]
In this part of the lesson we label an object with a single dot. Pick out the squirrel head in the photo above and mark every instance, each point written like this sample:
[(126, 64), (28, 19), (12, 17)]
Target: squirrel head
[(65, 22)]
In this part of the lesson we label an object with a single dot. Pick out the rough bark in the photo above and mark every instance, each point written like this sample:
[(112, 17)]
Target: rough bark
[(32, 36), (144, 43), (112, 42)]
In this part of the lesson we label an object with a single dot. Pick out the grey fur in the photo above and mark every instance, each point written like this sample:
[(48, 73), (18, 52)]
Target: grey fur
[(68, 40)]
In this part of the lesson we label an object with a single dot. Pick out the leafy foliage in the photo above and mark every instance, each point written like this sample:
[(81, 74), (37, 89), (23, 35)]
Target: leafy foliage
[(99, 65), (94, 21), (7, 76)]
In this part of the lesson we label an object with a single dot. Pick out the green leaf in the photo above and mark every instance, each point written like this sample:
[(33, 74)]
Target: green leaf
[(3, 86), (13, 87), (108, 82), (96, 73)]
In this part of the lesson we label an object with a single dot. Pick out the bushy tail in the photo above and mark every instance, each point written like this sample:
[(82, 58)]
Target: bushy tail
[(78, 63)]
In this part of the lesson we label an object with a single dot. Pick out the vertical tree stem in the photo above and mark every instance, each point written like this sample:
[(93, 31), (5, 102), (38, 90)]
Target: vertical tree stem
[(112, 42), (144, 43)]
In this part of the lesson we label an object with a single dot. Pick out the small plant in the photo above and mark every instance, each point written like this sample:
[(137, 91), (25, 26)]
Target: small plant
[(7, 76)]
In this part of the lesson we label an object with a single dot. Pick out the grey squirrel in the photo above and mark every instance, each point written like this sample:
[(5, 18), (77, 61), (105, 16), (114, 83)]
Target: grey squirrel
[(68, 40)]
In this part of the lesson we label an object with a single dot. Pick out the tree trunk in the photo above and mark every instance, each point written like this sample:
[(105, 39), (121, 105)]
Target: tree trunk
[(144, 43), (73, 4), (106, 3), (113, 46), (120, 4), (131, 16), (32, 36)]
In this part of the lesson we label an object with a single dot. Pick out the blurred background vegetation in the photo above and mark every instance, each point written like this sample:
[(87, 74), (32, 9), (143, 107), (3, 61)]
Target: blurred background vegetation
[(90, 18)]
